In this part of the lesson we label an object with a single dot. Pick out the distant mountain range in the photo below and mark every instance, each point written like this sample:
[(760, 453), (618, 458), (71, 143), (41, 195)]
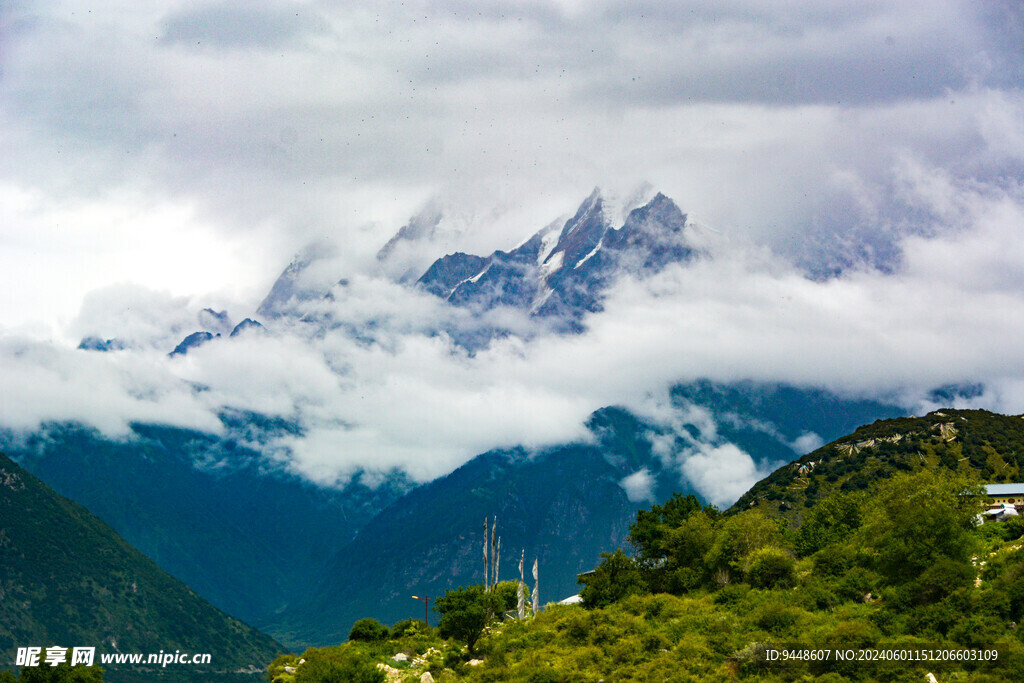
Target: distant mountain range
[(555, 277), (67, 579)]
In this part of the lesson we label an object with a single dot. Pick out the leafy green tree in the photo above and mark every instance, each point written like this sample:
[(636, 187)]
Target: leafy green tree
[(916, 520), (465, 612), (368, 629), (683, 567), (829, 522), (737, 537), (649, 533), (616, 577), (506, 595)]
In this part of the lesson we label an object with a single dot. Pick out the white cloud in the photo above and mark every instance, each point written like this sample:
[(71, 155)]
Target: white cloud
[(806, 442), (47, 383), (722, 473), (639, 486), (136, 316)]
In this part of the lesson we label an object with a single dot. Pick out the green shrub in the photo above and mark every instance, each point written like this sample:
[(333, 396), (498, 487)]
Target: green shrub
[(994, 604), (776, 617), (740, 535), (337, 665), (731, 594), (815, 595), (627, 650), (857, 634), (1013, 529), (835, 561), (368, 630), (943, 578), (770, 567), (976, 631), (1014, 590), (936, 619), (856, 584), (547, 674), (829, 522), (406, 627)]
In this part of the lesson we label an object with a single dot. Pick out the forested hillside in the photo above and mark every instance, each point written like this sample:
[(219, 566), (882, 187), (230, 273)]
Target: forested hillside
[(892, 567)]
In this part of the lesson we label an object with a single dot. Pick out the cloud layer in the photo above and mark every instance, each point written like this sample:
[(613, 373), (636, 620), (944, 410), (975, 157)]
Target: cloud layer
[(173, 157), (230, 136), (375, 383)]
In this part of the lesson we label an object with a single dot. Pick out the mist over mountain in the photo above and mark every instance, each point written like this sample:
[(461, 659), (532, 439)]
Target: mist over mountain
[(564, 505), (611, 305)]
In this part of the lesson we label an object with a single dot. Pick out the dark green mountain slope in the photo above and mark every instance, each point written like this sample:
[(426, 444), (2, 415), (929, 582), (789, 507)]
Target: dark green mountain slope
[(563, 506), (207, 509), (68, 579), (977, 442)]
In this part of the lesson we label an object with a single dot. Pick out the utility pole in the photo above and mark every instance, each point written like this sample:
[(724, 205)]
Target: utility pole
[(426, 608)]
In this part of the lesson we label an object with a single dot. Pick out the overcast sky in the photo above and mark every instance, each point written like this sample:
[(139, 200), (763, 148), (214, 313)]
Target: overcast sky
[(159, 157)]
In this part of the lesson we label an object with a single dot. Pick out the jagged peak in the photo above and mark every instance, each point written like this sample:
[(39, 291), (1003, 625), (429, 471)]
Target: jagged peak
[(592, 205), (214, 321), (420, 226), (296, 283), (245, 325), (661, 207)]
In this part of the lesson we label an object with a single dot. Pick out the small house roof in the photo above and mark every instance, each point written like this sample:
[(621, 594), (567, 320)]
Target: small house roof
[(1005, 489)]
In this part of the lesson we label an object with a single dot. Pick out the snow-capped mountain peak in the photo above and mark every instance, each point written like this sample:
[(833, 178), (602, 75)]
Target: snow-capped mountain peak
[(561, 276)]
